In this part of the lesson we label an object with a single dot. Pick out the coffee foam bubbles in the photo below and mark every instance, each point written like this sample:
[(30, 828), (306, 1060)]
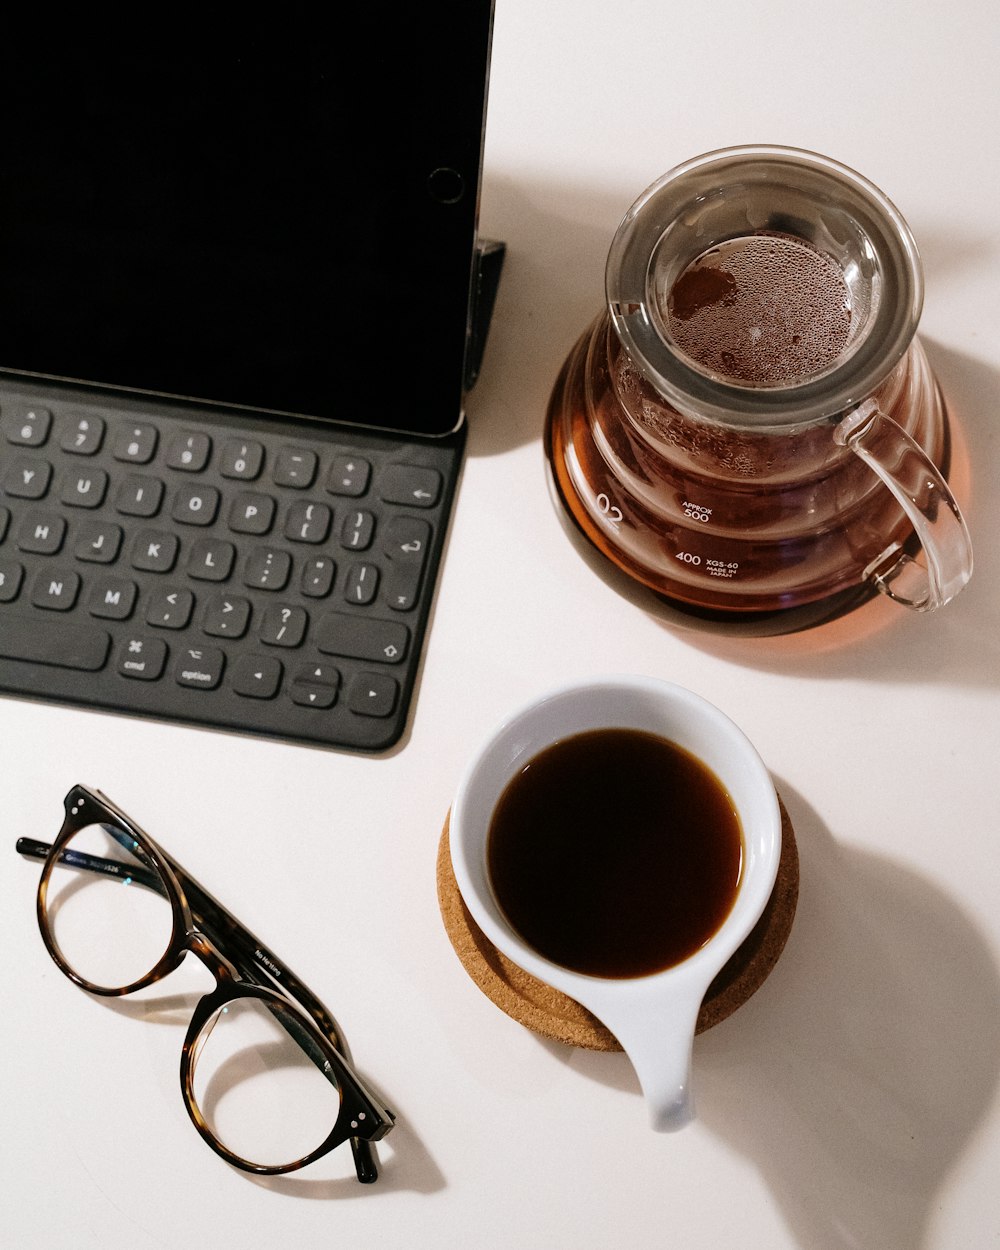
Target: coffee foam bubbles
[(761, 310)]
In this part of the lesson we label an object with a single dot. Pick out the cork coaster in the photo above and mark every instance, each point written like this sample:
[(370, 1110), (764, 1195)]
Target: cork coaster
[(554, 1015)]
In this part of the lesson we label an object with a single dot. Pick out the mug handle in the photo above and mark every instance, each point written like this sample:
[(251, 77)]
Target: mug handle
[(901, 463)]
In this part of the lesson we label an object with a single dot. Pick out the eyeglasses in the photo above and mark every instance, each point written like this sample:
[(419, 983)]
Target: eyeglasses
[(265, 1072)]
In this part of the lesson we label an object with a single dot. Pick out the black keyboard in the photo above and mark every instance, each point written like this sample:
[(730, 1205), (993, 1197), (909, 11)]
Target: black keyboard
[(257, 575)]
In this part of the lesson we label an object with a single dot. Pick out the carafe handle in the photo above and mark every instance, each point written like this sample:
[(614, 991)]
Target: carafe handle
[(904, 467)]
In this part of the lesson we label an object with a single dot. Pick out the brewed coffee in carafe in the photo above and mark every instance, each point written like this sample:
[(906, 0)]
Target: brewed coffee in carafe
[(752, 425)]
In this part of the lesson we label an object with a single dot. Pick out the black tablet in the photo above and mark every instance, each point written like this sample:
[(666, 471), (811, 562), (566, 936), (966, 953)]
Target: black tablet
[(283, 219)]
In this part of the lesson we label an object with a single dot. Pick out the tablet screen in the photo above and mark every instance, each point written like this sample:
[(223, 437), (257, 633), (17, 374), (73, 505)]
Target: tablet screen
[(282, 220)]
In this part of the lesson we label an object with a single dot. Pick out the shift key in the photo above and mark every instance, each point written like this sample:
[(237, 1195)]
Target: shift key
[(362, 637), (59, 643)]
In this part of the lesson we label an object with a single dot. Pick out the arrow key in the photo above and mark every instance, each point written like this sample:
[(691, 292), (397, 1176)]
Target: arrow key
[(315, 685), (256, 676), (373, 694)]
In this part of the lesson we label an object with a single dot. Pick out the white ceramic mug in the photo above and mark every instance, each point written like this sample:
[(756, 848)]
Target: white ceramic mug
[(653, 1017)]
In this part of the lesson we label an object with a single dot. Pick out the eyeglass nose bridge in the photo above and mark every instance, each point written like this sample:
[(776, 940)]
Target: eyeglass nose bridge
[(205, 950)]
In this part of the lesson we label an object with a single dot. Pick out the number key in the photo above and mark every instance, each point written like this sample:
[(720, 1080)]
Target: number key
[(136, 443), (84, 436), (189, 452), (241, 459), (27, 426)]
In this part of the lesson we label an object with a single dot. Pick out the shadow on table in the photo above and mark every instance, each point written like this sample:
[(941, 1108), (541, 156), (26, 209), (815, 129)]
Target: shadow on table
[(856, 1076)]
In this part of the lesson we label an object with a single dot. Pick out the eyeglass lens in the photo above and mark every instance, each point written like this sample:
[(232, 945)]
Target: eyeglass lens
[(107, 909), (259, 1093)]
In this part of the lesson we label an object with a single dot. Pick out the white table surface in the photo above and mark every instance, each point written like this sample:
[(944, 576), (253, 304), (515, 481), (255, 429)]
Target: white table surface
[(853, 1102)]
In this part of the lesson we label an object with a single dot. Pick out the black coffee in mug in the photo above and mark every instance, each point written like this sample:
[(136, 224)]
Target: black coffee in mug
[(615, 853)]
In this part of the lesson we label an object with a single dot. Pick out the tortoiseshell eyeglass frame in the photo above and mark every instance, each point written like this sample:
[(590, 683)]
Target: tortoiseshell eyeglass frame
[(241, 965)]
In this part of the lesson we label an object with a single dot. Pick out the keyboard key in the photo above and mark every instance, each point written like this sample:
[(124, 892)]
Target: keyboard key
[(26, 425), (199, 668), (267, 569), (402, 586), (41, 532), (241, 459), (362, 637), (84, 490), (97, 543), (226, 616), (284, 625), (211, 560), (112, 598), (84, 436), (195, 505), (155, 551), (136, 443), (55, 589), (61, 644), (408, 484), (11, 576), (27, 477), (296, 467), (189, 451), (139, 495), (142, 657), (357, 530), (308, 522), (361, 585), (313, 674), (251, 514), (317, 577), (309, 690), (256, 676), (406, 539), (349, 475), (170, 608), (4, 521), (373, 694)]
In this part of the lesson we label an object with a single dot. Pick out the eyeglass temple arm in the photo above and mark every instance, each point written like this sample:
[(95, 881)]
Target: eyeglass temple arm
[(208, 912), (94, 863)]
